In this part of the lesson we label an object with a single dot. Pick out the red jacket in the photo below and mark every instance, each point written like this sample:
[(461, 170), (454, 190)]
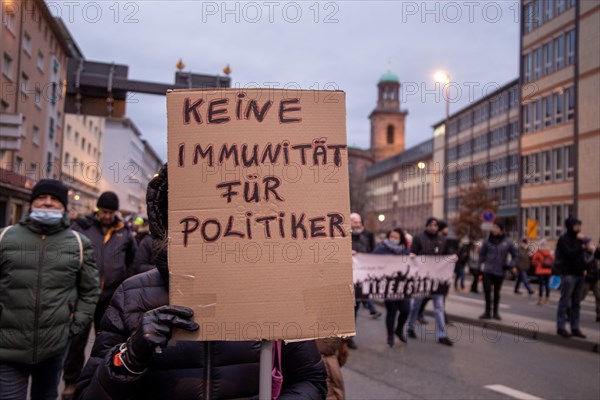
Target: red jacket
[(538, 262)]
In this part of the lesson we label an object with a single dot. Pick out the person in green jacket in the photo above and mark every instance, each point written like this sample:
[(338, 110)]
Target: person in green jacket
[(49, 287)]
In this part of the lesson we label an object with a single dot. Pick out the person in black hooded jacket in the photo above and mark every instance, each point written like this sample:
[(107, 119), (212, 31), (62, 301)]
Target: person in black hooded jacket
[(570, 257), (131, 360)]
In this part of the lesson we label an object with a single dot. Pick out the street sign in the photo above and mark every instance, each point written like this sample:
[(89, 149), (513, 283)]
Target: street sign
[(488, 216), (532, 229), (486, 226)]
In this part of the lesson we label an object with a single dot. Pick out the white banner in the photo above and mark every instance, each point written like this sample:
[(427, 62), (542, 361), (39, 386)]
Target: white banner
[(397, 277)]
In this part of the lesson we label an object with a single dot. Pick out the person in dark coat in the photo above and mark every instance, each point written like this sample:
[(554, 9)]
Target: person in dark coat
[(571, 259), (48, 292), (523, 266), (464, 255), (131, 360), (395, 245), (114, 251), (592, 279), (494, 257), (429, 242)]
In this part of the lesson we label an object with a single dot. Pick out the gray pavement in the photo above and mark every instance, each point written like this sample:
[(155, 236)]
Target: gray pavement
[(481, 358)]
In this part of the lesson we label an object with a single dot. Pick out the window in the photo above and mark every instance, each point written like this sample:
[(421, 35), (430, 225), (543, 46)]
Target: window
[(27, 43), (570, 46), (558, 220), (558, 163), (513, 97), (7, 66), (548, 111), (67, 158), (559, 52), (51, 128), (570, 103), (558, 107), (560, 6), (527, 59), (527, 118), (537, 65), (9, 19), (35, 135), (548, 10), (547, 228), (40, 61), (547, 162), (537, 115), (24, 83), (513, 130), (548, 58), (528, 17), (68, 132), (83, 144), (76, 137), (38, 97), (390, 134), (89, 148), (569, 161)]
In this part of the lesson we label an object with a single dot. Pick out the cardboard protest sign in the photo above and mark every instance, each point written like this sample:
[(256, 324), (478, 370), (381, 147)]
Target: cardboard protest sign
[(259, 232), (398, 277)]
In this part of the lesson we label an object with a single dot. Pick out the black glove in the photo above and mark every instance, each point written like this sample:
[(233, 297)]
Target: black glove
[(155, 331)]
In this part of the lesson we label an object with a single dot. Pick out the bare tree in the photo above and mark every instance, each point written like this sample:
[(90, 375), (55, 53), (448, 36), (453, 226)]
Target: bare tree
[(473, 200)]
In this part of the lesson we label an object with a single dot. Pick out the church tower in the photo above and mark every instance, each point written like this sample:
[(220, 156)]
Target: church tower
[(387, 120)]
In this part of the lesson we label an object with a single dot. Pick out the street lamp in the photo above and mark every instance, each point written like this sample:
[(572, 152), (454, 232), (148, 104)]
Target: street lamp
[(421, 165), (444, 77), (381, 217)]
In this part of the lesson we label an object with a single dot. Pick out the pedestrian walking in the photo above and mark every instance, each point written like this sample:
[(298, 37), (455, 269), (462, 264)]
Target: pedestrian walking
[(523, 266), (542, 262), (48, 293), (114, 250), (130, 358), (395, 245), (429, 242), (363, 241), (464, 256), (493, 261), (571, 263), (474, 267)]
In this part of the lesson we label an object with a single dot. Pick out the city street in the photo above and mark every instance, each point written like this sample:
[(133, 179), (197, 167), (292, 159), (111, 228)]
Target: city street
[(484, 363)]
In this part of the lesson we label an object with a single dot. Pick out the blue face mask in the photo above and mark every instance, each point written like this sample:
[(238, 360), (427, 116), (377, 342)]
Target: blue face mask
[(46, 216)]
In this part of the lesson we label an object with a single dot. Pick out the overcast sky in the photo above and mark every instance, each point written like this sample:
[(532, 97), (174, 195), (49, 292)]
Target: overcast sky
[(345, 45)]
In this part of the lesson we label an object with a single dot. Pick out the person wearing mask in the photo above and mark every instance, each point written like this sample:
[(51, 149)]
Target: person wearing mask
[(542, 262), (494, 258), (396, 245), (592, 281), (571, 261), (130, 358), (143, 256), (48, 293), (363, 241), (114, 250), (429, 242), (523, 265)]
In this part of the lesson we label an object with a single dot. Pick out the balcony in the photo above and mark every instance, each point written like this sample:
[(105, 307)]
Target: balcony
[(11, 126)]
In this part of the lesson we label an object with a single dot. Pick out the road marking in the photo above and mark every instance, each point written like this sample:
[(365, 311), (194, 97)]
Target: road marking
[(514, 393), (478, 301)]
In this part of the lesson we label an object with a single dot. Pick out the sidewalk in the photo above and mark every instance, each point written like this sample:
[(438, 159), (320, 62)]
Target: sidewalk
[(521, 316)]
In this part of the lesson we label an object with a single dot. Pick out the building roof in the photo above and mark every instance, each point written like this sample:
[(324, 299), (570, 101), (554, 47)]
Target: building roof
[(420, 152), (477, 102), (389, 76)]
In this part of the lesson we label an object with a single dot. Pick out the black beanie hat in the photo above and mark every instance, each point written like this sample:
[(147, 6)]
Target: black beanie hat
[(430, 220), (442, 224), (51, 187), (571, 222), (108, 201)]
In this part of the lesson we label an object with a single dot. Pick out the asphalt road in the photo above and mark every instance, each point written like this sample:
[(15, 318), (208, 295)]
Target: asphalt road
[(480, 360)]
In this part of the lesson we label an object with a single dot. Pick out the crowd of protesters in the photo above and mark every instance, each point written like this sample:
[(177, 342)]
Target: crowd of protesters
[(58, 276)]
